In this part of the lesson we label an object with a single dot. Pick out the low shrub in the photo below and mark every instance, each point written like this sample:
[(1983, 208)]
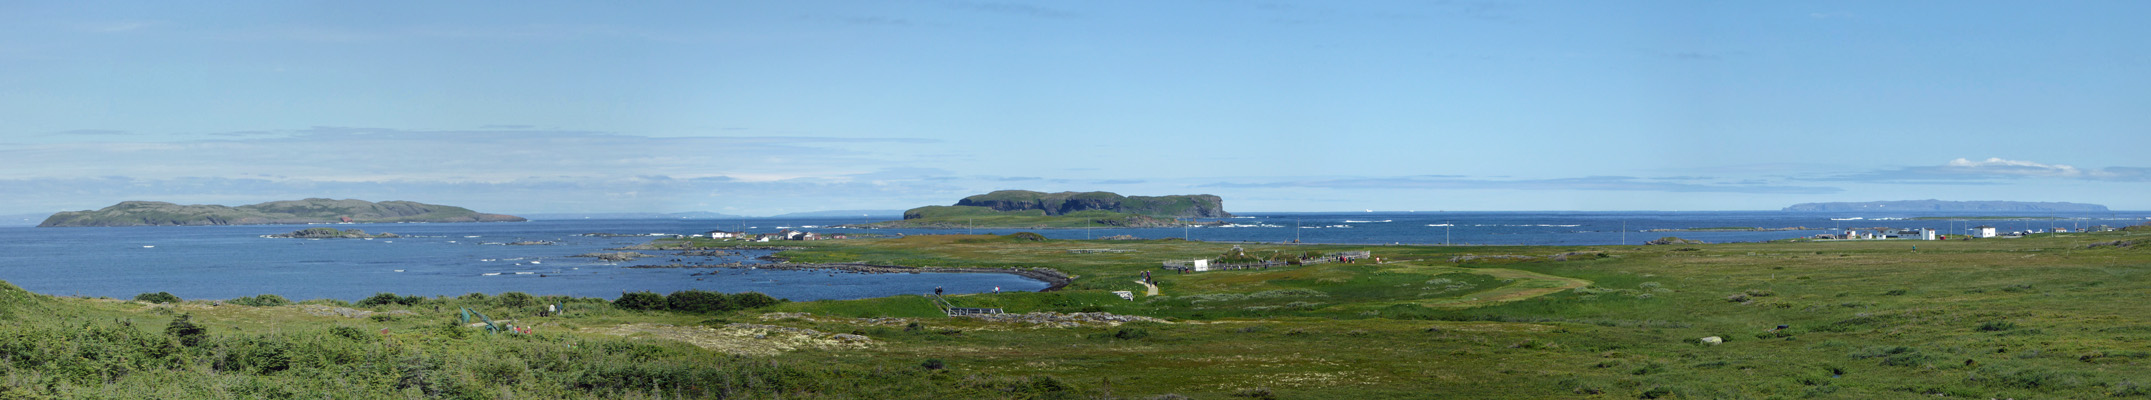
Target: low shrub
[(747, 300), (698, 301), (264, 300), (386, 298), (158, 297), (695, 301), (184, 329), (643, 300), (515, 300)]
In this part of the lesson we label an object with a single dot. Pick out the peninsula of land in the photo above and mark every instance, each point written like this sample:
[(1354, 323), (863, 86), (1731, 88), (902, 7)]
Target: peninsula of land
[(1942, 205), (308, 211), (1029, 209)]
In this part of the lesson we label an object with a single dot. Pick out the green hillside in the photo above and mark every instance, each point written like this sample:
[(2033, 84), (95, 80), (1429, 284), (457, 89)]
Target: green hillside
[(952, 217), (308, 211), (1029, 209), (1176, 206)]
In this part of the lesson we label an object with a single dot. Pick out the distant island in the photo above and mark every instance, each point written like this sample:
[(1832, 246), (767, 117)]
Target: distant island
[(1030, 209), (1941, 205), (308, 211), (632, 215)]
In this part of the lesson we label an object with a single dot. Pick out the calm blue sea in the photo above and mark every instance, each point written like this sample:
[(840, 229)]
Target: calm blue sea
[(222, 262)]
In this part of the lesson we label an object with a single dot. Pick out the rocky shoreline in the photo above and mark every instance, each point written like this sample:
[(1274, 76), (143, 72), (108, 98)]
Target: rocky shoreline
[(1054, 279)]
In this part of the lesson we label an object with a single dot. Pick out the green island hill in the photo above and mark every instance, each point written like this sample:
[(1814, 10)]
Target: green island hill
[(1029, 209), (308, 211), (2045, 316)]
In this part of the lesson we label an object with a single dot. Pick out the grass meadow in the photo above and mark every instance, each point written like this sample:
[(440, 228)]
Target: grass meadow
[(2051, 316)]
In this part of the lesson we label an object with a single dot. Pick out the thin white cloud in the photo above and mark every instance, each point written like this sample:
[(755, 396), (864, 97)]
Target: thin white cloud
[(1998, 166), (1606, 183), (1018, 9), (1990, 170), (111, 26), (371, 154)]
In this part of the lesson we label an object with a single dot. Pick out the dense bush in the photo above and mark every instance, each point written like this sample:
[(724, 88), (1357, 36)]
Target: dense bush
[(515, 300), (697, 301), (265, 300), (158, 297), (694, 301), (385, 298), (754, 300), (643, 300)]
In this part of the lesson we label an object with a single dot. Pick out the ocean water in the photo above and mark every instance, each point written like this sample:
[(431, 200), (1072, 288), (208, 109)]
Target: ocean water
[(1571, 228), (222, 262)]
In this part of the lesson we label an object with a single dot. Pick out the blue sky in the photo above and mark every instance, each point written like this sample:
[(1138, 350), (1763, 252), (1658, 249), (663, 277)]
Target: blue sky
[(761, 108)]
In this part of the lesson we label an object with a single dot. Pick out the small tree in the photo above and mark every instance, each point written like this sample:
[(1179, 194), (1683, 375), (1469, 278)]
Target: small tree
[(186, 331)]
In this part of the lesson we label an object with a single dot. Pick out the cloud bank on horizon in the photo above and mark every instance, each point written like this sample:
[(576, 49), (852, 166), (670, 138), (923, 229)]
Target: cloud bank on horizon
[(762, 109)]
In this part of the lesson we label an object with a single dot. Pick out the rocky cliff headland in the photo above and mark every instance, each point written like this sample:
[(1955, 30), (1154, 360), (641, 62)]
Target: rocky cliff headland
[(1177, 206), (1029, 209)]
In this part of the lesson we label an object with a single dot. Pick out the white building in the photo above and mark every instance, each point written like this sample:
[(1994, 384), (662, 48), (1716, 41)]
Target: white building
[(1928, 234), (1983, 231)]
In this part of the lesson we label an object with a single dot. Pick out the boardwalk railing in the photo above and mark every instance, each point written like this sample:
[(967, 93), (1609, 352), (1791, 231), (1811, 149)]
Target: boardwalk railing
[(954, 311)]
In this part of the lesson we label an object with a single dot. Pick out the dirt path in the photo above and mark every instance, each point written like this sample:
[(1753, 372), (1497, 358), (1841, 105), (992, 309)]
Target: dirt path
[(1152, 290)]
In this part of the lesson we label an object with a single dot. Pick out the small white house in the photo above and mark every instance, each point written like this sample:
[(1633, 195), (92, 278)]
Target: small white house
[(1983, 231), (1928, 234), (1200, 265), (725, 235)]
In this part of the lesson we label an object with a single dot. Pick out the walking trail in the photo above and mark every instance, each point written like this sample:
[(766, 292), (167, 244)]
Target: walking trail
[(1152, 289)]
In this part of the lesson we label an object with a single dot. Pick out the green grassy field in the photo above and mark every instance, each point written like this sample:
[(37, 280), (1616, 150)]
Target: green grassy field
[(2049, 316)]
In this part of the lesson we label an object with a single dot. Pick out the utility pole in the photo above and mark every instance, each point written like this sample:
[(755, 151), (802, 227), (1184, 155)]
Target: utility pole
[(1624, 232), (1445, 227)]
